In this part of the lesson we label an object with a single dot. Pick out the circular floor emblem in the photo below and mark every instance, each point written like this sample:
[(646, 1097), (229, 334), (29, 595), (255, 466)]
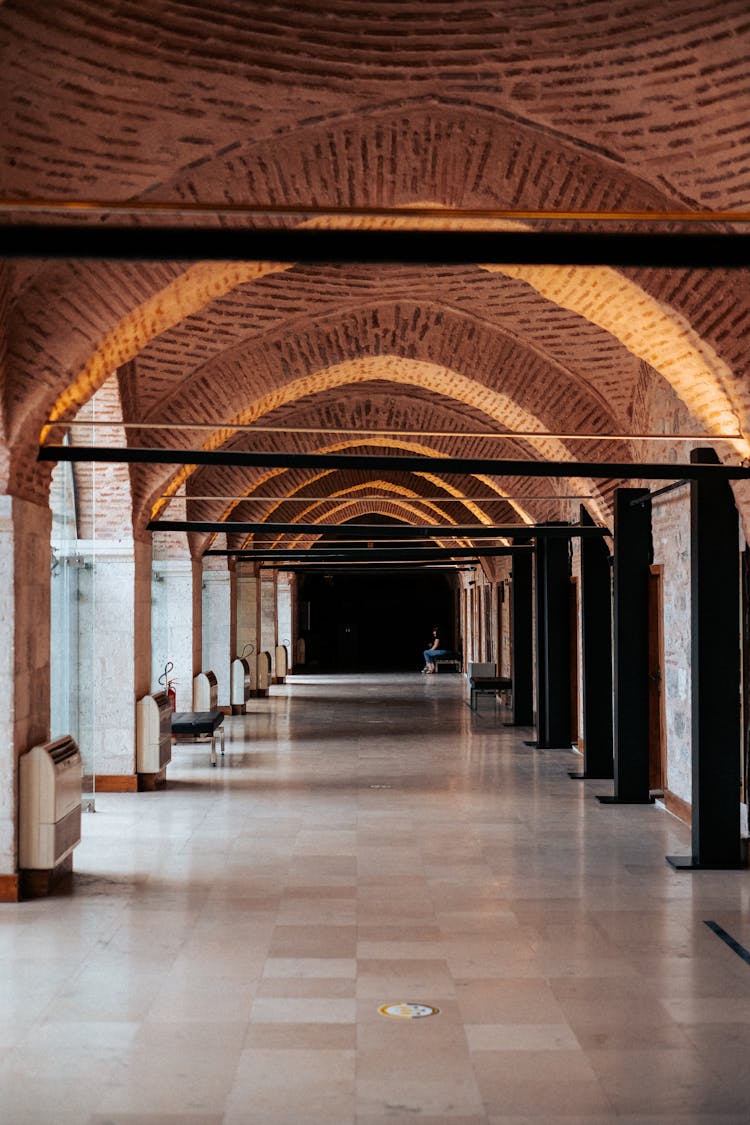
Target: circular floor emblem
[(408, 1010)]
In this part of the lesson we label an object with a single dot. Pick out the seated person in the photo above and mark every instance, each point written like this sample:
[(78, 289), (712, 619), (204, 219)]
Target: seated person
[(433, 651)]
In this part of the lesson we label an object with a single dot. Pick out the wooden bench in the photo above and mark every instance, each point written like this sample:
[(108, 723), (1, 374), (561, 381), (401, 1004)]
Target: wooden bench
[(196, 725), (487, 685), (451, 659)]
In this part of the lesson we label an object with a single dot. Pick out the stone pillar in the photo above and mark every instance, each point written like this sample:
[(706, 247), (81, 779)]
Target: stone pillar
[(217, 624), (64, 633), (24, 660), (285, 615), (268, 629), (247, 601), (176, 625), (142, 557), (107, 662)]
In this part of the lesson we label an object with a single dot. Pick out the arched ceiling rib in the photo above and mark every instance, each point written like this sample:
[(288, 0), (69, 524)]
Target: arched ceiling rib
[(662, 339), (428, 376), (153, 89), (585, 106)]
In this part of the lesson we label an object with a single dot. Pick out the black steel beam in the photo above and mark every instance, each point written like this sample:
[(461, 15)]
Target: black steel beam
[(633, 556), (367, 553), (378, 463), (715, 669), (161, 242), (364, 571), (552, 589), (366, 532)]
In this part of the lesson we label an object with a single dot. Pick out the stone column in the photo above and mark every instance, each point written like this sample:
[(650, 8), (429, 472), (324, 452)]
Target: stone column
[(24, 660), (285, 613), (247, 600), (143, 577), (107, 662), (216, 625), (175, 625), (268, 629)]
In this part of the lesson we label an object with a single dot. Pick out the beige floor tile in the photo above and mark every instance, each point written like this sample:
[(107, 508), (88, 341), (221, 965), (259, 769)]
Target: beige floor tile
[(292, 1086), (517, 1001), (230, 939), (336, 988), (666, 1082), (302, 1036), (295, 1009), (328, 967), (312, 941), (403, 977), (540, 1084), (521, 1037)]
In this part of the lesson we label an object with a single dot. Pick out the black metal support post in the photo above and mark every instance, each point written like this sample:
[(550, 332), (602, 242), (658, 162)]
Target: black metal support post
[(596, 659), (553, 644), (715, 674), (633, 556), (521, 643)]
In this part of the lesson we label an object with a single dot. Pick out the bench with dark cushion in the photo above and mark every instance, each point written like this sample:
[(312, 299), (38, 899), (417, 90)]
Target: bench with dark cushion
[(453, 658), (487, 685), (195, 725)]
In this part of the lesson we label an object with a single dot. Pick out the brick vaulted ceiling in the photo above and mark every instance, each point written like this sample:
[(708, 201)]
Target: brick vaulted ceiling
[(592, 105)]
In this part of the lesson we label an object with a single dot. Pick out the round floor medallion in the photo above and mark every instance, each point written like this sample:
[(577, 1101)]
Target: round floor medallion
[(408, 1010)]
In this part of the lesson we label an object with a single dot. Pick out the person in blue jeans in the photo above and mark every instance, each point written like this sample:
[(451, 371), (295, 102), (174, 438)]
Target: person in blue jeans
[(433, 651)]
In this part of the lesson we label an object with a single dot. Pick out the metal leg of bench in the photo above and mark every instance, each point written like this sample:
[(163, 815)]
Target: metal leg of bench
[(213, 749), (221, 739)]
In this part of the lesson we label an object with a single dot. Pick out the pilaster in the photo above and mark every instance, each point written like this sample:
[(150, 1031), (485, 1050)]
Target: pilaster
[(24, 659)]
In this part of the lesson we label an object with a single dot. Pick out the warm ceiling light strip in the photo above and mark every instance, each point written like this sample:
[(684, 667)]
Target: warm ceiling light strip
[(497, 435), (182, 207)]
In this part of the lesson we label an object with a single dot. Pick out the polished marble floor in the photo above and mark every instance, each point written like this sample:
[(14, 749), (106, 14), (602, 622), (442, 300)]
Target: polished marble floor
[(369, 840)]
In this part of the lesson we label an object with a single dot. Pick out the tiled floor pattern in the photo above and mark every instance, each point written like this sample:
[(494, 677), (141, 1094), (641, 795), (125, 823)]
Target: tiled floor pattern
[(366, 840)]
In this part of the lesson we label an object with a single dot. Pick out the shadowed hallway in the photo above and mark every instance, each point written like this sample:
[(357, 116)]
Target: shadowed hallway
[(368, 840)]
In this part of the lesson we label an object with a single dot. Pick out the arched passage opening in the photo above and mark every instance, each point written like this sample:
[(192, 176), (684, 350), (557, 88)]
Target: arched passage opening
[(374, 622)]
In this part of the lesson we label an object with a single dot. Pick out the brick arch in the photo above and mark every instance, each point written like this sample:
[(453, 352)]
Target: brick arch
[(461, 153), (661, 338), (455, 150), (193, 289), (178, 481), (664, 341), (433, 508), (491, 403), (355, 509), (467, 154), (419, 488), (451, 331)]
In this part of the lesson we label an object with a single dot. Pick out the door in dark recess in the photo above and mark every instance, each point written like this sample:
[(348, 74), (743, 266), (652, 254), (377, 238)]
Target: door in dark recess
[(376, 623)]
